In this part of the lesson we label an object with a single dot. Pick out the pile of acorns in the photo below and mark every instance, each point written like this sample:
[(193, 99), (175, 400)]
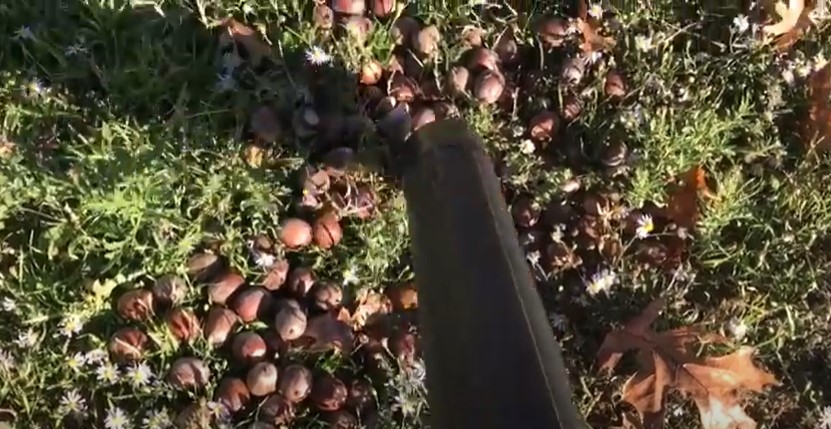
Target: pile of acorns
[(303, 316)]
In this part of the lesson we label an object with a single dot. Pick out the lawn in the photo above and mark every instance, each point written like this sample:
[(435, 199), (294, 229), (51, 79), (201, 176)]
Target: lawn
[(199, 223)]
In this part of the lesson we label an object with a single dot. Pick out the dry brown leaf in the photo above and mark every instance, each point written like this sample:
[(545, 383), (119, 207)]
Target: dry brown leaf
[(816, 129), (794, 22), (253, 155), (667, 362), (592, 40), (369, 305), (235, 31), (682, 206)]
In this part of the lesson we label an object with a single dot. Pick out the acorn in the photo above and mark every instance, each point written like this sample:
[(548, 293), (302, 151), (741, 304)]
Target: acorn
[(202, 266), (614, 86), (403, 345), (385, 106), (349, 7), (295, 233), (305, 122), (295, 383), (382, 8), (276, 410), (233, 394), (489, 86), (188, 372), (276, 276), (329, 393), (481, 59), (127, 344), (426, 41), (506, 47), (195, 415), (423, 116), (136, 305), (342, 419), (403, 88), (445, 110), (358, 27), (403, 296), (525, 211), (403, 30), (544, 126), (225, 286), (571, 108), (262, 379), (169, 290), (361, 395), (326, 231), (248, 347), (323, 16), (300, 281), (327, 295), (264, 124), (371, 72), (219, 323), (472, 36), (183, 324), (614, 153), (290, 321), (252, 303), (553, 31), (327, 333), (572, 71), (457, 80)]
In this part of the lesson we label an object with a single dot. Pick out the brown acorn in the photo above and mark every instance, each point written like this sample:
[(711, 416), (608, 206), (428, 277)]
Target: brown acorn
[(300, 281), (252, 303), (385, 106), (127, 344), (195, 415), (423, 116), (349, 7), (276, 410), (329, 393), (358, 27), (445, 110), (361, 395), (202, 266), (553, 31), (614, 86), (295, 233), (248, 347), (290, 321), (225, 286), (403, 88), (264, 124), (544, 126), (327, 332), (219, 323), (295, 383), (326, 231), (323, 16), (169, 290), (136, 305), (481, 59), (262, 379), (404, 346), (571, 108), (276, 276), (614, 153), (572, 71), (472, 36), (426, 41), (404, 28), (382, 8), (457, 80), (506, 47), (183, 324), (233, 394), (327, 295), (188, 372), (342, 419), (403, 296), (371, 72), (305, 122), (489, 86)]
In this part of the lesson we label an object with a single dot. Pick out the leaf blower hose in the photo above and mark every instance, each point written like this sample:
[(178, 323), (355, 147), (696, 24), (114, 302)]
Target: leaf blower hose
[(492, 360)]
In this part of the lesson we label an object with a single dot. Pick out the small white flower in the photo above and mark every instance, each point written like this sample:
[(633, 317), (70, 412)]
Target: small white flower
[(36, 87), (533, 257), (116, 419), (557, 321), (27, 339), (76, 361), (643, 43), (76, 48), (601, 281), (804, 70), (824, 419), (157, 419), (417, 372), (8, 304), (405, 404), (573, 28), (736, 328), (219, 411), (71, 325), (557, 232), (264, 260), (95, 356), (527, 147), (139, 374), (317, 56), (594, 57), (645, 226), (225, 82), (73, 403), (788, 76), (741, 24), (107, 373), (24, 33), (596, 11), (819, 61), (350, 277)]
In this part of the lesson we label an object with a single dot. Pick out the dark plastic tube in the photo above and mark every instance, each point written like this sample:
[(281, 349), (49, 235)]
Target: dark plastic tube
[(492, 361)]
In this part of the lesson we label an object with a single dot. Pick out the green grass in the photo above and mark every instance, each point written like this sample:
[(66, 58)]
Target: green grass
[(127, 159)]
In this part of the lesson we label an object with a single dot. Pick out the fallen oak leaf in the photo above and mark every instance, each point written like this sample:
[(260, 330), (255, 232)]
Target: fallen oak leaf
[(247, 37), (682, 206), (592, 40), (667, 362), (795, 21)]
